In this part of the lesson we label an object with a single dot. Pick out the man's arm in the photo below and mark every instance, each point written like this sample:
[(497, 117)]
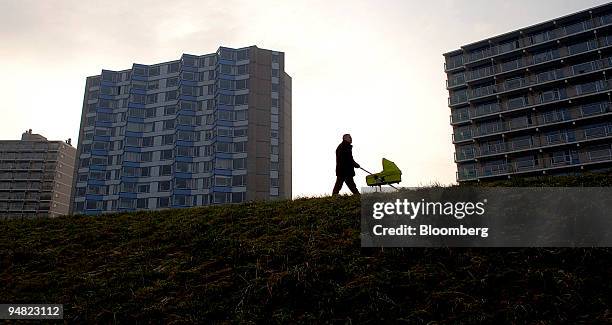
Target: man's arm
[(355, 164)]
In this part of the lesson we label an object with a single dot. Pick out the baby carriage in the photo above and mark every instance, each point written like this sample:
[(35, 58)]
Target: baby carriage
[(390, 174)]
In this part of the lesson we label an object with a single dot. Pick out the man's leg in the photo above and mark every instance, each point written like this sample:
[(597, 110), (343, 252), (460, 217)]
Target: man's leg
[(338, 185), (351, 185)]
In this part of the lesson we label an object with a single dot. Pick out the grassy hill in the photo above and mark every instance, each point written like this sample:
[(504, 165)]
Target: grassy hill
[(289, 261)]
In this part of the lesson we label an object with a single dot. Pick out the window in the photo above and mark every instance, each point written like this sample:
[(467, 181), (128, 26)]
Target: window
[(242, 69), (548, 75), (163, 202), (225, 84), (223, 163), (171, 82), (168, 124), (128, 187), (97, 145), (224, 132), (241, 115), (143, 188), (226, 115), (106, 117), (108, 76), (93, 205), (550, 95), (140, 71), (187, 105), (242, 99), (102, 132), (581, 47), (188, 91), (273, 165), (240, 132), (151, 112), (171, 95), (166, 154), (240, 163), (226, 54), (110, 91), (243, 55), (275, 72), (223, 180), (514, 83), (136, 112), (183, 200), (187, 75), (173, 67), (170, 110), (189, 61), (589, 87), (186, 151), (132, 156), (508, 46), (512, 64), (242, 84), (142, 203), (146, 156), (574, 28), (138, 99), (240, 146), (540, 37), (224, 147), (545, 56), (151, 98), (225, 99), (168, 139), (239, 180), (165, 170), (583, 67), (517, 102), (154, 71), (225, 69), (187, 135), (184, 183), (183, 167)]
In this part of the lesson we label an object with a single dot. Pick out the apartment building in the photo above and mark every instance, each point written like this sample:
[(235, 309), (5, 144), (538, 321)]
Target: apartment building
[(535, 100), (35, 177), (204, 129)]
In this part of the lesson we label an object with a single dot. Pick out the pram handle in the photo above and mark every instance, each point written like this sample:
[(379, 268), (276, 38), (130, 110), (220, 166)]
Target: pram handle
[(365, 170)]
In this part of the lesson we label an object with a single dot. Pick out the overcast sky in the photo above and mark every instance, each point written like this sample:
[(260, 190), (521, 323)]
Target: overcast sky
[(370, 68)]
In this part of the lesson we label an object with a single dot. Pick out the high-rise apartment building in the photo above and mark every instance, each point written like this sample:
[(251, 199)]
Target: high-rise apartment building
[(35, 177), (534, 101), (201, 130)]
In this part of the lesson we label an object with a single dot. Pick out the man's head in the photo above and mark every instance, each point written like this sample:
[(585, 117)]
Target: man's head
[(347, 138)]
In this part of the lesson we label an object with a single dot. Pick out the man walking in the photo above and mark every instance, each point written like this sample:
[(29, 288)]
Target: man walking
[(345, 166)]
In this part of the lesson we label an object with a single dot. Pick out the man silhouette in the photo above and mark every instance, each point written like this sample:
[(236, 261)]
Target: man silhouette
[(345, 166)]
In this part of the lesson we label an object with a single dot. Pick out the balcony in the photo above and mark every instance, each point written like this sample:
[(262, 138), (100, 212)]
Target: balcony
[(529, 143), (540, 58), (542, 78), (581, 158), (536, 39)]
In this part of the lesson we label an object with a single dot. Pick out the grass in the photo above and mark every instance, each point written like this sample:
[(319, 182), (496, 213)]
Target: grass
[(289, 261)]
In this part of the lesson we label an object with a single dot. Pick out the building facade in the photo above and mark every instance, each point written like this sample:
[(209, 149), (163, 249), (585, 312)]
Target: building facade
[(201, 130), (35, 177), (534, 101)]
